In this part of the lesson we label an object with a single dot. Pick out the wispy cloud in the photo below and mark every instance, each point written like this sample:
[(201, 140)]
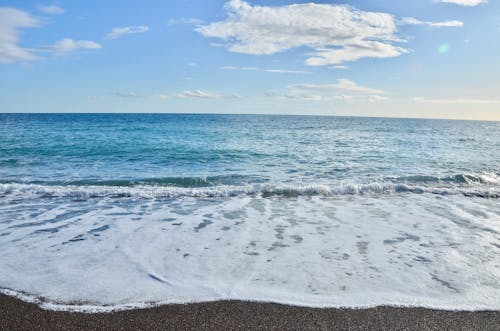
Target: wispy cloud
[(68, 45), (128, 95), (121, 31), (11, 22), (335, 33), (200, 94), (183, 20), (239, 68), (456, 101), (285, 71), (376, 98), (341, 85), (194, 94), (51, 9), (134, 95), (277, 71), (444, 24), (468, 3), (344, 89), (340, 67)]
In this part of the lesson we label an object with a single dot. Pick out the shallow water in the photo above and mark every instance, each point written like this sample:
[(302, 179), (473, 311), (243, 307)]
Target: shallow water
[(130, 210)]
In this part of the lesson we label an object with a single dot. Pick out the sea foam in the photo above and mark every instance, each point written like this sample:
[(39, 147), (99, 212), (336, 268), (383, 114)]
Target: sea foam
[(120, 253), (279, 189)]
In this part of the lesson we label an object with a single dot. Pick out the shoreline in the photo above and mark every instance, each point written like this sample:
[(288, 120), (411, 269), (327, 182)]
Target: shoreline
[(16, 314)]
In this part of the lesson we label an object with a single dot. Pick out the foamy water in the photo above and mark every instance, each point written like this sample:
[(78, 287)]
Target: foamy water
[(430, 251), (394, 229)]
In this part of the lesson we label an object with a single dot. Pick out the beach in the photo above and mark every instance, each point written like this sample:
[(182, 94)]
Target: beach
[(233, 315), (250, 165), (102, 213)]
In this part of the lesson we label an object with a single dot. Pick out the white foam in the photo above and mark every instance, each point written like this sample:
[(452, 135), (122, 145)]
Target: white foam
[(346, 251), (21, 190)]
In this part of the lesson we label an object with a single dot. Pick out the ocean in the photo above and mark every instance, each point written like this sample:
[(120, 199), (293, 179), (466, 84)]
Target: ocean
[(115, 211)]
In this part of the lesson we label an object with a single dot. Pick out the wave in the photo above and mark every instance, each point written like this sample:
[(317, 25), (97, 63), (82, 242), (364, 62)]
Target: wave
[(474, 178), (185, 182), (292, 300), (263, 190), (238, 180)]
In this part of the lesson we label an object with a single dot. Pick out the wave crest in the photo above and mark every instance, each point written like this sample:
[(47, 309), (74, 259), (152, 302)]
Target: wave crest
[(263, 190)]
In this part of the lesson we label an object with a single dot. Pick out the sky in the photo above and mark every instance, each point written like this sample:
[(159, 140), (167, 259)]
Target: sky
[(391, 58)]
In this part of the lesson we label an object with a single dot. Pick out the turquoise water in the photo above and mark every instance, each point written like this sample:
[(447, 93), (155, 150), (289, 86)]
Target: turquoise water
[(204, 207), (212, 150)]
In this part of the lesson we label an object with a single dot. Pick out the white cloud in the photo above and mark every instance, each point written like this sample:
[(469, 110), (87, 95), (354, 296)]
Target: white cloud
[(376, 97), (344, 89), (51, 10), (195, 94), (335, 33), (68, 45), (468, 3), (128, 95), (11, 22), (374, 49), (277, 71), (200, 94), (120, 32), (134, 95), (457, 101), (340, 67), (342, 85), (444, 24), (285, 71), (238, 68), (176, 21)]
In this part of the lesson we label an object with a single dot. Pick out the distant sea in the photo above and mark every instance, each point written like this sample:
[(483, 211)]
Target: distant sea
[(115, 211)]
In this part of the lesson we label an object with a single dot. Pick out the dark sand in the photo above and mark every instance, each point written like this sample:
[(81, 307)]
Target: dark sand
[(232, 315)]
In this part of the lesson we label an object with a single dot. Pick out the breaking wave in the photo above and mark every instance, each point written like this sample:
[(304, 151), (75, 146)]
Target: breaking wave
[(467, 185)]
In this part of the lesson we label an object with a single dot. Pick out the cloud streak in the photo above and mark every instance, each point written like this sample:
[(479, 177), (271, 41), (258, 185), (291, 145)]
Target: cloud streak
[(189, 21), (285, 71), (344, 85), (122, 31), (187, 94), (51, 10), (276, 71), (68, 45), (444, 24), (467, 3), (344, 89), (128, 95), (199, 94), (457, 101)]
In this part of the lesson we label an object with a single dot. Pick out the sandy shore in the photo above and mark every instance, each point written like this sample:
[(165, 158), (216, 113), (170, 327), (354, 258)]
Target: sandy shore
[(19, 315)]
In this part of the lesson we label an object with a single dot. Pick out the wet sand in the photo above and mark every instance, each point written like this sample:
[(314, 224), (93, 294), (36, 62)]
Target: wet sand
[(234, 315)]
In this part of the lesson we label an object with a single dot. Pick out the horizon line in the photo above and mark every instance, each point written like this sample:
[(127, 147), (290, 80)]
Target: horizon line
[(248, 114)]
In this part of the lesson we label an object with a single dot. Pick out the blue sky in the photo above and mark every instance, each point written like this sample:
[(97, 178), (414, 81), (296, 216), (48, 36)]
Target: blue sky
[(419, 58)]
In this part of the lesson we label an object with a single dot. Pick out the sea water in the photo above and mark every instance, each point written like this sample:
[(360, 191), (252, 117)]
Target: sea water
[(102, 212)]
